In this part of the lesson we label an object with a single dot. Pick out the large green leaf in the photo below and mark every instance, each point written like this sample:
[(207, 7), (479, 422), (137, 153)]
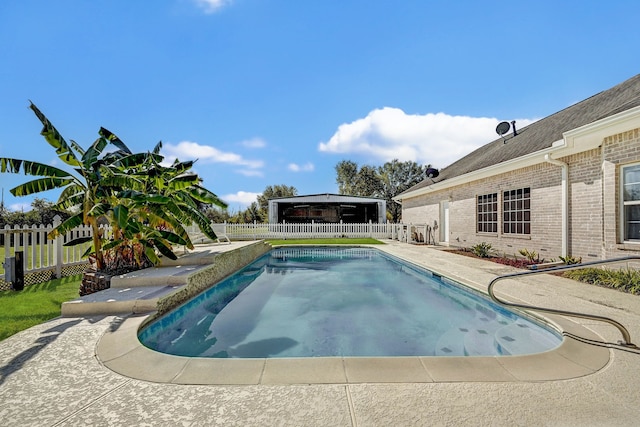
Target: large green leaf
[(8, 165), (164, 249), (151, 254), (39, 185), (77, 147), (98, 209), (173, 237), (78, 241), (53, 137), (68, 224), (182, 198), (121, 215), (117, 182), (157, 148), (183, 166), (112, 244), (203, 195), (92, 154), (72, 195), (112, 138), (159, 215), (137, 160)]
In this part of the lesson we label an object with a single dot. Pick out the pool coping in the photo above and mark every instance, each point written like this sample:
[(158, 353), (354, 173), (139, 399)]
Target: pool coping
[(120, 350)]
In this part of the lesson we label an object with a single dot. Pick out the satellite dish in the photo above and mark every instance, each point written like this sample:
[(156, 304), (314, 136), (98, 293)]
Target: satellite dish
[(432, 173), (502, 128)]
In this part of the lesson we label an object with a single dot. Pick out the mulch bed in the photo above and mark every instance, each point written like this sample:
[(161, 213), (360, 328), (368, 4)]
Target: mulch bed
[(518, 263)]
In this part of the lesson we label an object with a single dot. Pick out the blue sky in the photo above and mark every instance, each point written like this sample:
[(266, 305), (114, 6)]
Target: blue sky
[(266, 92)]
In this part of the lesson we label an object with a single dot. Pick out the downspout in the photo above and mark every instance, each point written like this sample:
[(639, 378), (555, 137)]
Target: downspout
[(565, 201)]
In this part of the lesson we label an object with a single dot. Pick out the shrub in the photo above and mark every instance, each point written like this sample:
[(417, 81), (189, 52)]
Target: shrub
[(627, 280), (483, 250), (532, 256), (569, 260)]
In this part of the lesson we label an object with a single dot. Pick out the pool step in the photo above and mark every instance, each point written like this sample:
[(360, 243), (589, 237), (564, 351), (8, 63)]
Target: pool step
[(116, 301), (140, 291), (526, 339), (451, 343), (472, 338)]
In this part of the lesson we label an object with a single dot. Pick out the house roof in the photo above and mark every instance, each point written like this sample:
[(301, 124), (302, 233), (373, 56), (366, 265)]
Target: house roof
[(543, 133)]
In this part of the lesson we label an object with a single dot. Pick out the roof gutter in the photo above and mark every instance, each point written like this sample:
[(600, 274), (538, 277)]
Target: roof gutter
[(565, 201)]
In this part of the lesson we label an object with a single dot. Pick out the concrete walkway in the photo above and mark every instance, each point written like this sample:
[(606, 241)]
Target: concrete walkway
[(50, 375)]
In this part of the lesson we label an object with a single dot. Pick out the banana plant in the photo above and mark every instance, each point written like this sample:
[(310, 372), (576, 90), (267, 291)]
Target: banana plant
[(81, 188), (146, 203)]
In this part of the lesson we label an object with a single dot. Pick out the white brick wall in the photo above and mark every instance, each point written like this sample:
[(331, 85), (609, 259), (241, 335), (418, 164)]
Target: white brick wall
[(593, 204)]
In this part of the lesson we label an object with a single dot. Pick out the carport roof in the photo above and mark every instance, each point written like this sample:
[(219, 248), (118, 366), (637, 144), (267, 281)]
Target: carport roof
[(327, 198)]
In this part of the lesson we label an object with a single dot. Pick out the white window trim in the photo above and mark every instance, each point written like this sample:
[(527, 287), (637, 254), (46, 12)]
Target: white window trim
[(622, 204)]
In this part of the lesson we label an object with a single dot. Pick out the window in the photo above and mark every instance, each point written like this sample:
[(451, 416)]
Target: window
[(516, 211), (631, 202), (487, 211)]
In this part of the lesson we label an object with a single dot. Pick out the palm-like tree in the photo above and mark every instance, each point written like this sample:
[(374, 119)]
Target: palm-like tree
[(145, 202)]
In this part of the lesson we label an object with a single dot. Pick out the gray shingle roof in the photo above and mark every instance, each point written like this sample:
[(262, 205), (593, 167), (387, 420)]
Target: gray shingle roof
[(541, 134)]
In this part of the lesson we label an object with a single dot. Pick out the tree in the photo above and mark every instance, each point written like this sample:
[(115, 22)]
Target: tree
[(272, 192), (396, 177), (254, 213), (347, 177), (354, 181), (384, 181), (216, 215), (142, 200)]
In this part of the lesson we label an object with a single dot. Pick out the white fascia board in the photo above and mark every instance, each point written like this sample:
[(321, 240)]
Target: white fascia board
[(574, 141), (590, 136)]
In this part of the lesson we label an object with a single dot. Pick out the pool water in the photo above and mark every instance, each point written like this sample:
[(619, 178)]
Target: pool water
[(342, 301)]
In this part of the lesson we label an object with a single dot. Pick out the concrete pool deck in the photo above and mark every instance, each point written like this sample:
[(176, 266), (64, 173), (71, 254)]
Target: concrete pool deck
[(58, 373)]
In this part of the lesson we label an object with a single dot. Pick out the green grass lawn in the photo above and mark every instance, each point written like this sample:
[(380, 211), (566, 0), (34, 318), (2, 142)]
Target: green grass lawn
[(20, 310), (339, 241)]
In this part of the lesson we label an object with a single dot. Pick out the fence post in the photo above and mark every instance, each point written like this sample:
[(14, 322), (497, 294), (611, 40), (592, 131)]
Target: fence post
[(57, 248), (7, 241)]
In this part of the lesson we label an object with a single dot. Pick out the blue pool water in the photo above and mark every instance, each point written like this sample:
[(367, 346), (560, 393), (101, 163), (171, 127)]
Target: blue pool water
[(342, 301)]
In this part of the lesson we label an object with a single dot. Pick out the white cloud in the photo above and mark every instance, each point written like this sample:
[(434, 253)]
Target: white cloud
[(212, 6), (249, 172), (254, 143), (20, 207), (307, 167), (438, 139), (243, 198), (187, 150)]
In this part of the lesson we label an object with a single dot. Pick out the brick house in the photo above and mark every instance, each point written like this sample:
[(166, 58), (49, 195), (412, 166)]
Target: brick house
[(568, 184)]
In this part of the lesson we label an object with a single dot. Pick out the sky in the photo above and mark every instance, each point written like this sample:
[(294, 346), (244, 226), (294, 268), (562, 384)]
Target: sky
[(270, 92)]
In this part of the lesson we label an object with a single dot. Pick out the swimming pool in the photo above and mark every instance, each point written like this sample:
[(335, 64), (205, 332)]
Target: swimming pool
[(342, 301)]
